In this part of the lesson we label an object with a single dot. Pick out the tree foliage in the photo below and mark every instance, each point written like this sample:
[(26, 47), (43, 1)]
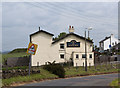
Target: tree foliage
[(60, 35)]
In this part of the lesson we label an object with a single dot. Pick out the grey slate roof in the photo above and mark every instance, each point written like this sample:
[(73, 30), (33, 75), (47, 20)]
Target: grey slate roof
[(42, 31), (74, 35)]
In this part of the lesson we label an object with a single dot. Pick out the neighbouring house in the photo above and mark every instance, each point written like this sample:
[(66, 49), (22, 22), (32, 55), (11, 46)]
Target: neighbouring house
[(107, 43), (70, 47)]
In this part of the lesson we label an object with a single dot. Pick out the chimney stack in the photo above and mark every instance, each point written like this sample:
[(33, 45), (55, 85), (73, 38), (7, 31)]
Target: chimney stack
[(39, 28), (71, 29), (112, 35)]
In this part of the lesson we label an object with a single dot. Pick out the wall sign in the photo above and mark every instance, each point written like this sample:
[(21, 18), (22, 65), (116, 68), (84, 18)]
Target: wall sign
[(73, 43)]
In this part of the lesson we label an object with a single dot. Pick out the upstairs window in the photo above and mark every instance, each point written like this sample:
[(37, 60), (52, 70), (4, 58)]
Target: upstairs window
[(61, 46), (113, 43)]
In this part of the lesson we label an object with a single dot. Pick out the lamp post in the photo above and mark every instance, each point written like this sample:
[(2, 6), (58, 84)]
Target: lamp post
[(85, 53), (90, 28)]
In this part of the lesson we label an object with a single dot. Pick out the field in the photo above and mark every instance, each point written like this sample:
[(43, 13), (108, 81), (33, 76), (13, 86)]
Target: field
[(21, 54)]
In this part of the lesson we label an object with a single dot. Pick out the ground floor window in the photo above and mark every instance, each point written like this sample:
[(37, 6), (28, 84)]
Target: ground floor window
[(77, 56), (83, 56), (62, 56), (90, 56)]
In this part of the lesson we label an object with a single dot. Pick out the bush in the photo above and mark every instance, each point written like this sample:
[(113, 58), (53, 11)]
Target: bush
[(56, 69)]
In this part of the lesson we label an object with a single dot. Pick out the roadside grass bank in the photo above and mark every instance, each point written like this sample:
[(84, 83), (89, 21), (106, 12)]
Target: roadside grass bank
[(115, 83), (69, 72), (33, 77), (80, 71)]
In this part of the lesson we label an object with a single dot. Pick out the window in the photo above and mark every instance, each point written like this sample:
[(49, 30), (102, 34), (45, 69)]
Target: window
[(77, 56), (90, 45), (62, 56), (90, 56), (83, 56), (113, 43), (61, 46)]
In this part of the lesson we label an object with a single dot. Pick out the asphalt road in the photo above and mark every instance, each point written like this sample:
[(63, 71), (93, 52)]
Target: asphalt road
[(96, 80)]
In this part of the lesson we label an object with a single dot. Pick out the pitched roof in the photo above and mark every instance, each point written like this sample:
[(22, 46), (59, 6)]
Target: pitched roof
[(39, 32), (104, 39), (42, 31), (74, 35)]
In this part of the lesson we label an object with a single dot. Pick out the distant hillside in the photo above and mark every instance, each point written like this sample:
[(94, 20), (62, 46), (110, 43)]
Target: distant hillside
[(18, 50)]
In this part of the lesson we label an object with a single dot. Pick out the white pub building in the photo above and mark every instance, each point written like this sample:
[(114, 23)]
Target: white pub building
[(70, 47)]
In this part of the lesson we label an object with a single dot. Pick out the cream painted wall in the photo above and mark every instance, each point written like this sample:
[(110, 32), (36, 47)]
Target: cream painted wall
[(68, 51), (44, 51), (47, 51)]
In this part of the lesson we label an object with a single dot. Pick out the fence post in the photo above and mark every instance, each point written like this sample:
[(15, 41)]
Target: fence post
[(76, 66), (83, 65)]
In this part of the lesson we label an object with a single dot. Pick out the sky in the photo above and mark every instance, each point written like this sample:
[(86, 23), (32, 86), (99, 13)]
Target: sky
[(20, 19)]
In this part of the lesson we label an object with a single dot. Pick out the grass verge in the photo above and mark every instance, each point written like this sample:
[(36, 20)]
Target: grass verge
[(69, 72), (34, 77), (115, 83), (72, 71)]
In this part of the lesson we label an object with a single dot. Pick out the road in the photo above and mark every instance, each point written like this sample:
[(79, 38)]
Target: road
[(96, 80)]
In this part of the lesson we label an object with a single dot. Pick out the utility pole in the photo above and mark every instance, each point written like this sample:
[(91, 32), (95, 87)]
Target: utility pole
[(85, 53)]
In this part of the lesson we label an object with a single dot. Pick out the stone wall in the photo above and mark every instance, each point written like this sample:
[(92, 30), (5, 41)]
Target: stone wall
[(18, 72)]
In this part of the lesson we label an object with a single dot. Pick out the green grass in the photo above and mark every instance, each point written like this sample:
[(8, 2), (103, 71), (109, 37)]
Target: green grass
[(115, 83), (21, 54), (10, 68), (42, 75), (72, 71)]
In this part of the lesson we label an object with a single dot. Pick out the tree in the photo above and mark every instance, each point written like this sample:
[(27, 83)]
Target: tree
[(60, 35)]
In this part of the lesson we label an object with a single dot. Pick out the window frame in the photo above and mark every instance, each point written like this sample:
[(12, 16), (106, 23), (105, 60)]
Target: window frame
[(84, 56), (77, 56), (90, 56), (62, 57), (62, 45)]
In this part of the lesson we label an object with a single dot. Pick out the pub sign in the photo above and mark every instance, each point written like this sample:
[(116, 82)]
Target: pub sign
[(73, 43)]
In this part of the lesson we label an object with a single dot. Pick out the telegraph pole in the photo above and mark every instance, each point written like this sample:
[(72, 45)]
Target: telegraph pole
[(85, 53)]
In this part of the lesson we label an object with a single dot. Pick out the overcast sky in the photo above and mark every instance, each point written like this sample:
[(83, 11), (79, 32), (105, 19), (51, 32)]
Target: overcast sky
[(20, 19)]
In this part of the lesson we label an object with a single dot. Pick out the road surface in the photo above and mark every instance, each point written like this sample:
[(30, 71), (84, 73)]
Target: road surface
[(96, 80)]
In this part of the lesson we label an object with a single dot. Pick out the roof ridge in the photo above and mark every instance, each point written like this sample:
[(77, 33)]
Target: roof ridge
[(71, 34)]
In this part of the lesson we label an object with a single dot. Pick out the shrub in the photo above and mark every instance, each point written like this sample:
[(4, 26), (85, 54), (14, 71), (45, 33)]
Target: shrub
[(56, 69)]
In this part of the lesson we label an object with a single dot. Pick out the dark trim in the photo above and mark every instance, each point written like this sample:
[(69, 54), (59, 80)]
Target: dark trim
[(74, 35), (39, 32)]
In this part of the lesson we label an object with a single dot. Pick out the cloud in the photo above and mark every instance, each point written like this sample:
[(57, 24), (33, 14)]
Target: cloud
[(21, 19)]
